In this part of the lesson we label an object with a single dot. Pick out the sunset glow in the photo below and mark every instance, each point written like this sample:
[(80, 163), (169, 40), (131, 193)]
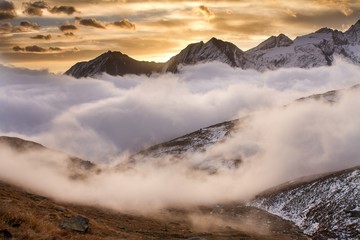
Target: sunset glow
[(54, 35)]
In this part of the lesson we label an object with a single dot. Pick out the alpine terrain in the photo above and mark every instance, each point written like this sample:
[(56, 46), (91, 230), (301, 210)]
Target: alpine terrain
[(311, 50)]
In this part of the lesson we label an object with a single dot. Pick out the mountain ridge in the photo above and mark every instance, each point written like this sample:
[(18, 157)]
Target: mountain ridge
[(310, 50)]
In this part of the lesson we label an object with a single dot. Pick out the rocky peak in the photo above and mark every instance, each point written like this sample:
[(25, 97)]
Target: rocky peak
[(324, 30), (113, 63), (274, 41), (353, 33), (213, 50)]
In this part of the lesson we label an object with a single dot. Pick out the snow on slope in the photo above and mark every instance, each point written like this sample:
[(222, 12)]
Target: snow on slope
[(196, 141), (325, 208)]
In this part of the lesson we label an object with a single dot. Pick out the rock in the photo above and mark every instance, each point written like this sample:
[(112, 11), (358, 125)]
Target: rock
[(77, 223), (5, 234), (195, 238)]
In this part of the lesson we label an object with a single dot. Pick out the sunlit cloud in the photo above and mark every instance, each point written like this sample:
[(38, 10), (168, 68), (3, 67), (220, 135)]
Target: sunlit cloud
[(67, 27), (291, 12), (63, 9), (41, 37), (36, 49), (92, 22), (205, 11), (125, 24), (34, 8)]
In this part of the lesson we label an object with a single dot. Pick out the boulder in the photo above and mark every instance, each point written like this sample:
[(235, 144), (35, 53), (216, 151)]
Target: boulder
[(76, 223)]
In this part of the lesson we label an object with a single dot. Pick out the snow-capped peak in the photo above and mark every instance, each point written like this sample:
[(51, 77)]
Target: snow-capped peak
[(311, 50)]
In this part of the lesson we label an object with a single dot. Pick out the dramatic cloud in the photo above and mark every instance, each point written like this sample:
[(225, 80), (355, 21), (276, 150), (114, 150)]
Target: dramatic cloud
[(41, 37), (63, 9), (7, 10), (34, 8), (27, 24), (67, 27), (92, 22), (125, 24), (206, 12)]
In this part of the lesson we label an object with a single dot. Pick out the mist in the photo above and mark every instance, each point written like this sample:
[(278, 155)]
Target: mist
[(98, 119), (103, 119)]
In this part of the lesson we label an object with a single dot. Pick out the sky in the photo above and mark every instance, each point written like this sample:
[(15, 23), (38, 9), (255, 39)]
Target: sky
[(54, 35)]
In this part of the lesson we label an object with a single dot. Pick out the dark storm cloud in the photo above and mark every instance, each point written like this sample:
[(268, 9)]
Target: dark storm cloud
[(27, 24), (34, 8), (41, 37), (7, 10), (125, 24), (68, 27), (63, 9), (91, 22)]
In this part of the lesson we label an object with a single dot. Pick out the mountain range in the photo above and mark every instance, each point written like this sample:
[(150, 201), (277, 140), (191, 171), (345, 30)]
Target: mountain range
[(311, 50)]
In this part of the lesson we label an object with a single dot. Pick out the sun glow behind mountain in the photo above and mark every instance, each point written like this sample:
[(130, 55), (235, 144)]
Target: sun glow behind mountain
[(55, 34)]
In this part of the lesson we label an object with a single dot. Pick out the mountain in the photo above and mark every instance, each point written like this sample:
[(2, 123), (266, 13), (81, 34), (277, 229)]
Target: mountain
[(311, 50), (213, 50), (327, 207), (307, 51), (113, 63)]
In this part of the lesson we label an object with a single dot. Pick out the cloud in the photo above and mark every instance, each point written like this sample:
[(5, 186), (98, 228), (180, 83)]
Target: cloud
[(34, 8), (67, 27), (7, 10), (276, 145), (69, 10), (7, 27), (125, 24), (27, 24), (92, 22), (18, 49), (69, 34), (118, 114), (205, 11), (102, 119), (36, 49), (41, 37)]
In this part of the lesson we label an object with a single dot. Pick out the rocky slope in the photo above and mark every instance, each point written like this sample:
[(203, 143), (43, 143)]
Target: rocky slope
[(325, 208), (28, 215), (311, 50)]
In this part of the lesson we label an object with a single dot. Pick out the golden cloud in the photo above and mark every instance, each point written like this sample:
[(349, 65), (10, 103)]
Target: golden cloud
[(125, 24), (205, 11)]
